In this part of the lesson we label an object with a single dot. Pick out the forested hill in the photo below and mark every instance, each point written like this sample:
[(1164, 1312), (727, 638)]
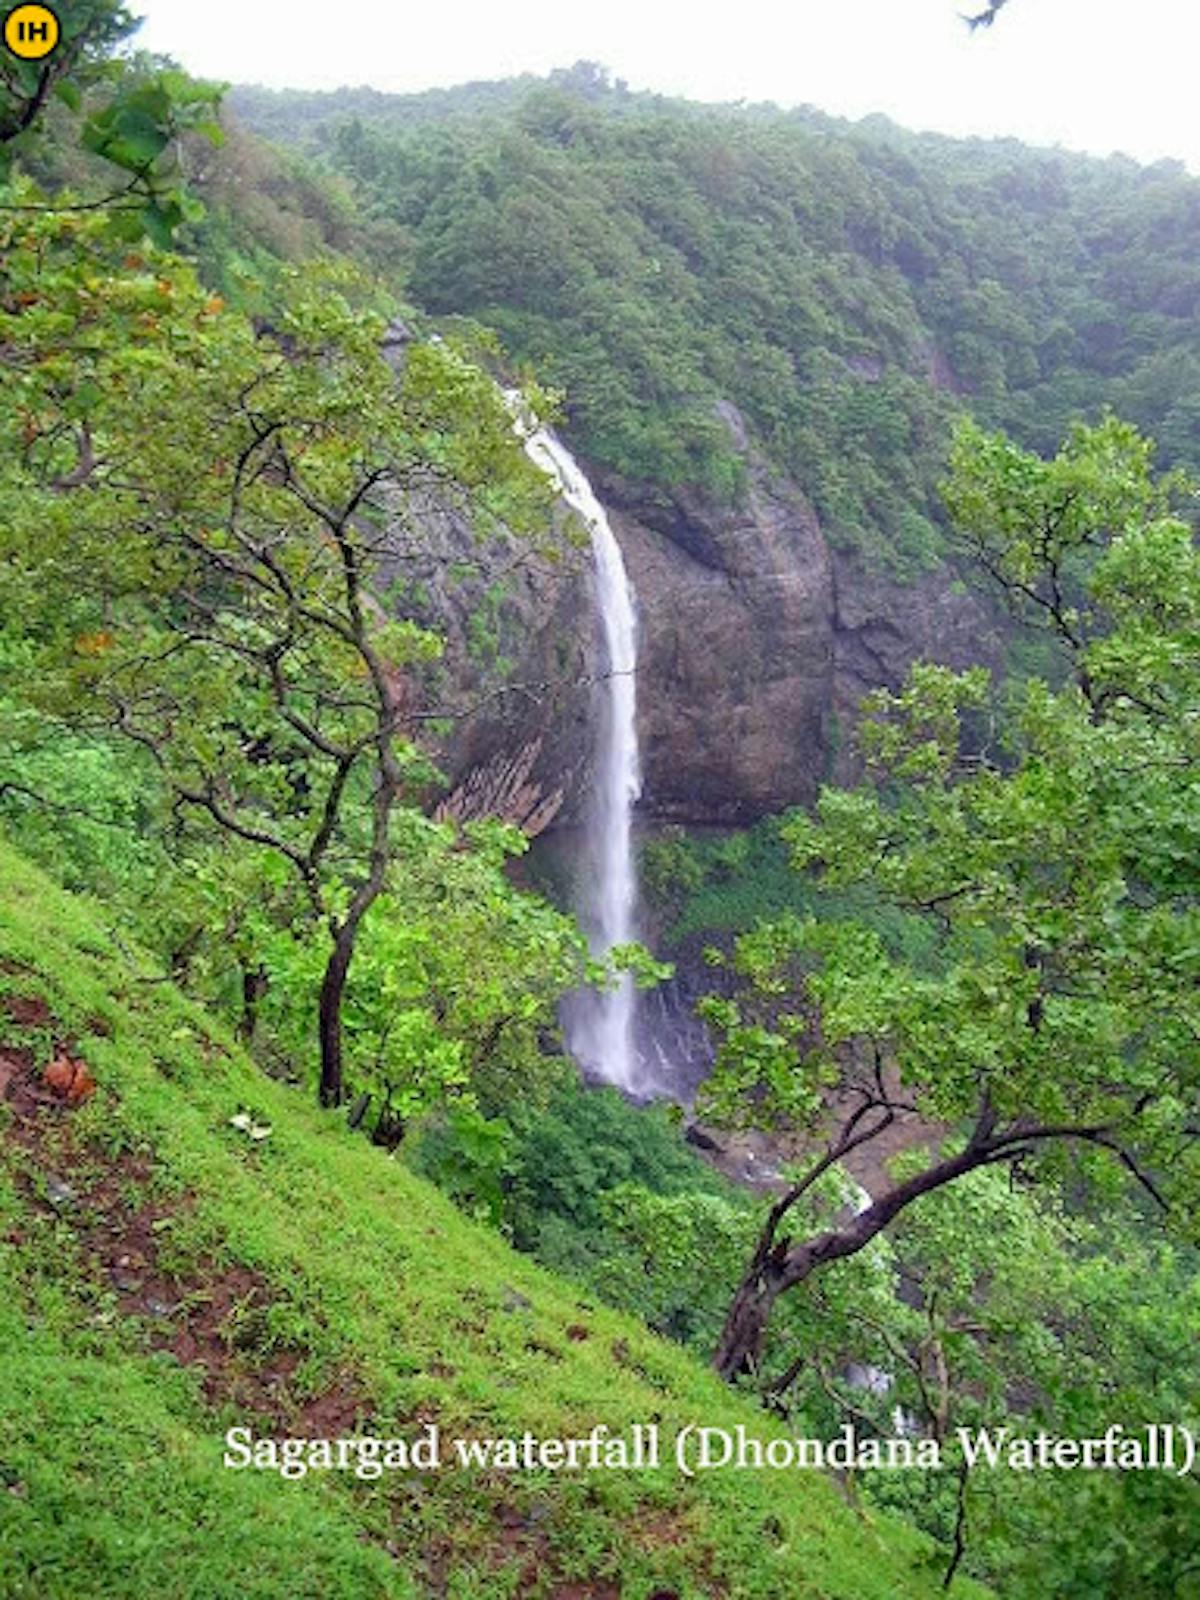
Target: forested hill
[(849, 287)]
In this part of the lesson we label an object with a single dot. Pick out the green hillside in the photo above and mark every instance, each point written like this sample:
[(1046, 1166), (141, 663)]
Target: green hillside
[(848, 286), (165, 1277)]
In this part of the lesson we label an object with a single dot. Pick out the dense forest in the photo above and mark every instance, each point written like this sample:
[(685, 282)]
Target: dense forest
[(289, 1138), (848, 287)]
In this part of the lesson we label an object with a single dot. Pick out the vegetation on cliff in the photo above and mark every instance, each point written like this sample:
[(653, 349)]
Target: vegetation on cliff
[(850, 288)]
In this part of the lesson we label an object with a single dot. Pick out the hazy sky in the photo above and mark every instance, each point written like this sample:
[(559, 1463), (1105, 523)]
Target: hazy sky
[(1097, 75)]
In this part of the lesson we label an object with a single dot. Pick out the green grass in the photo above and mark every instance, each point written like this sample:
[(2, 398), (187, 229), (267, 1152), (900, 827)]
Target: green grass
[(318, 1259)]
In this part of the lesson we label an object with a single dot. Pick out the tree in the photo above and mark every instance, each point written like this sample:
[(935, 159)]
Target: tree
[(1015, 1313), (134, 119), (211, 590), (91, 31), (1042, 1010)]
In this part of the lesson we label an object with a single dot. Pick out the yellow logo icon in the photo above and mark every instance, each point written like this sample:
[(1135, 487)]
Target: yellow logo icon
[(32, 32)]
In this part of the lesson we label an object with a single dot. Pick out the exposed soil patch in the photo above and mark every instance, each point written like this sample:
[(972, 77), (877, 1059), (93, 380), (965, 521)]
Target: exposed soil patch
[(214, 1317), (15, 1065), (27, 1011), (518, 1536), (660, 1529)]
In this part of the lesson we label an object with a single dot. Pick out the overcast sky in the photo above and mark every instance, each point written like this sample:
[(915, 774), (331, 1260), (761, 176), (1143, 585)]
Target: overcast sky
[(1098, 75)]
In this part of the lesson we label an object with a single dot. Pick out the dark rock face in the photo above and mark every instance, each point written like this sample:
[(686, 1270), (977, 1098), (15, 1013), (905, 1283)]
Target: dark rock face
[(514, 687), (881, 626), (757, 642), (735, 658)]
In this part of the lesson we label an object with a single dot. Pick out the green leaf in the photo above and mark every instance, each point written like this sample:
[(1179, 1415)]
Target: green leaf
[(212, 131), (160, 223), (68, 92)]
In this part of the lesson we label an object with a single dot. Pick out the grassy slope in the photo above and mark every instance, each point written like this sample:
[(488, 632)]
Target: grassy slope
[(312, 1277)]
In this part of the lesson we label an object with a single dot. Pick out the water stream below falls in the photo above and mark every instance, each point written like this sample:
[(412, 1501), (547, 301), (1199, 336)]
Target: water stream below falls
[(600, 1027)]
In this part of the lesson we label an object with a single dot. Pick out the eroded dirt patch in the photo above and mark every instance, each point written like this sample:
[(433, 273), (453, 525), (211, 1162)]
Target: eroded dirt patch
[(214, 1316)]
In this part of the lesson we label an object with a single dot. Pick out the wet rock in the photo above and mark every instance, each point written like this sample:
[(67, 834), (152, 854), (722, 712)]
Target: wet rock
[(695, 1135), (735, 666), (520, 664)]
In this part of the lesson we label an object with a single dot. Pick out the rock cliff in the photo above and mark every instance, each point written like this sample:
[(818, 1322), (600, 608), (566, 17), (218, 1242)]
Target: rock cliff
[(757, 642), (509, 718)]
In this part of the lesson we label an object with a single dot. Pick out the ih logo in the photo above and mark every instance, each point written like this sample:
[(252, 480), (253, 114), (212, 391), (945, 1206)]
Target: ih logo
[(32, 32)]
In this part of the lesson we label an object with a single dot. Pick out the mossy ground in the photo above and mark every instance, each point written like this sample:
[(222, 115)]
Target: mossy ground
[(163, 1277)]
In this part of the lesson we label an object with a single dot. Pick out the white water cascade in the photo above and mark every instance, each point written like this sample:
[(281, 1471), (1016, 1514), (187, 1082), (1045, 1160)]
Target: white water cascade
[(600, 1027)]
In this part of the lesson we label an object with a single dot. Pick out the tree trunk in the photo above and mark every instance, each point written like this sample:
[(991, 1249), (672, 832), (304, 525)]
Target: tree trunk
[(254, 986), (329, 1011), (337, 969), (740, 1346)]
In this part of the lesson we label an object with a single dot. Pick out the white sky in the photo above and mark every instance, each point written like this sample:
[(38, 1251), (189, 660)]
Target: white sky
[(1098, 75)]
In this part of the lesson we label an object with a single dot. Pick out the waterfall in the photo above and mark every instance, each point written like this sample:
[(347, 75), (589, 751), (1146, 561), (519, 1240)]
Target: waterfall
[(600, 1027)]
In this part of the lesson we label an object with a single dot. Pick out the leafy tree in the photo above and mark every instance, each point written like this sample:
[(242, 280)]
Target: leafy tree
[(993, 1305), (91, 31), (456, 981), (133, 119), (1047, 844), (599, 1189), (208, 591)]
